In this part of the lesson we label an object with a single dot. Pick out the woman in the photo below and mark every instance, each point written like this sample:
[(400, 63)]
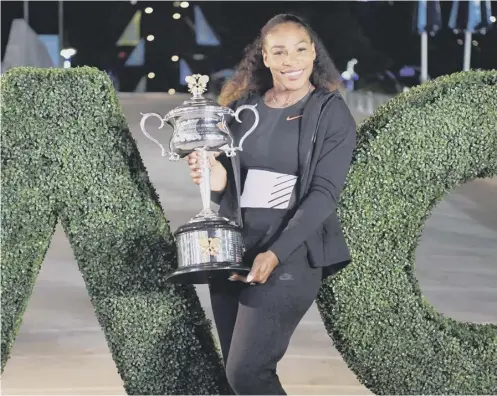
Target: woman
[(283, 188)]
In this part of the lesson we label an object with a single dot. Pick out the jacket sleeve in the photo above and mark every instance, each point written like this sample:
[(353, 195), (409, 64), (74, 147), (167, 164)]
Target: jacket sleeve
[(327, 181)]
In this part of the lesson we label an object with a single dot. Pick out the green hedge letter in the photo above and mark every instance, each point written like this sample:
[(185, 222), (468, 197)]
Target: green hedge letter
[(411, 152), (67, 154)]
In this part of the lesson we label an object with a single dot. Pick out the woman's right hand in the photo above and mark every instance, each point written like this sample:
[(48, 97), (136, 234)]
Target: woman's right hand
[(218, 172)]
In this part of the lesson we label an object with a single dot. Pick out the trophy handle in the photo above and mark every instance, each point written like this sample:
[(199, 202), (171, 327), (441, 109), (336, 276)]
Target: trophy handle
[(172, 156), (230, 152)]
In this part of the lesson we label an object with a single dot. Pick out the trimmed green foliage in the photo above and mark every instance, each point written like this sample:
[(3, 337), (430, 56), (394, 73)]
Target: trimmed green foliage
[(67, 154), (415, 149)]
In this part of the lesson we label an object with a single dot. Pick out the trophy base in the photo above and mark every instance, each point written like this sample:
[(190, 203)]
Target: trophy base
[(208, 246), (202, 274)]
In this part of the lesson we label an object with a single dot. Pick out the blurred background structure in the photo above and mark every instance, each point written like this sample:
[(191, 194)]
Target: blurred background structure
[(382, 47)]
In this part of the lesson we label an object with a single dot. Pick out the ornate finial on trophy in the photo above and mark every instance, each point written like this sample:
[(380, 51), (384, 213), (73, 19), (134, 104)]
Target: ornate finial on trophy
[(197, 84)]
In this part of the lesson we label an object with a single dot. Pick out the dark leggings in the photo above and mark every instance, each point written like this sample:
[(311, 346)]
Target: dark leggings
[(255, 323)]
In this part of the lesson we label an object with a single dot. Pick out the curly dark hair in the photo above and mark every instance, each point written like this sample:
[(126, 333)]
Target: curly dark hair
[(252, 76)]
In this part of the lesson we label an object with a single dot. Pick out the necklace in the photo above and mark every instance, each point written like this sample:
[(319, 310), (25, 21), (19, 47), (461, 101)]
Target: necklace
[(286, 104)]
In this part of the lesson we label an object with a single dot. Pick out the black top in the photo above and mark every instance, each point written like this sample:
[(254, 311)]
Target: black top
[(273, 145)]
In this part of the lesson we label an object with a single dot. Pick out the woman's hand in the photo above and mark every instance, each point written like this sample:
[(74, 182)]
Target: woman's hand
[(218, 172), (264, 264)]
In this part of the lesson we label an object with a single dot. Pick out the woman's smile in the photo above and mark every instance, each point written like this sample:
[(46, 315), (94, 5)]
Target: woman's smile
[(293, 75)]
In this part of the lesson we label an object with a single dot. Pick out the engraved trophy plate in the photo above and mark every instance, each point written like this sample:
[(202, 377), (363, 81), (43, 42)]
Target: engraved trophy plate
[(208, 245), (198, 132)]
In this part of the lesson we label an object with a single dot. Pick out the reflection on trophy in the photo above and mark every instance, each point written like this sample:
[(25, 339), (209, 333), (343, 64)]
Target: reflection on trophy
[(208, 245)]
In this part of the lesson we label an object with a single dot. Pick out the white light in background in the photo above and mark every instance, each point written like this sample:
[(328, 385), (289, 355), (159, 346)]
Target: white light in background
[(198, 56), (475, 43), (149, 10), (459, 41), (176, 15), (350, 75), (171, 91), (493, 19), (150, 37), (151, 75), (67, 53), (175, 58), (184, 4)]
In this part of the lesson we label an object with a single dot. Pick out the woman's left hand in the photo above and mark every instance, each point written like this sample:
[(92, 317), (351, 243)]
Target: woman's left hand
[(264, 264)]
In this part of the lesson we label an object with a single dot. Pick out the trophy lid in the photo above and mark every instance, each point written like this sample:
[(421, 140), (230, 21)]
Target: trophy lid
[(197, 85)]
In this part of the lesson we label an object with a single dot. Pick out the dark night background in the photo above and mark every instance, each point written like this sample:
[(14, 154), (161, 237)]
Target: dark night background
[(378, 34)]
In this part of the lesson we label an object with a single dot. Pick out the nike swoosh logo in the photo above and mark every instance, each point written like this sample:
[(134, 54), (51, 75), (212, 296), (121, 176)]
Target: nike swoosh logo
[(290, 118), (286, 276)]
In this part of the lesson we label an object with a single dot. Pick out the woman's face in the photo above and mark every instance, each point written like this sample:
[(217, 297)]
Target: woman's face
[(289, 54)]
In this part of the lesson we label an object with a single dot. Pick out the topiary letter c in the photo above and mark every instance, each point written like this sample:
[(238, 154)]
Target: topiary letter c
[(411, 152)]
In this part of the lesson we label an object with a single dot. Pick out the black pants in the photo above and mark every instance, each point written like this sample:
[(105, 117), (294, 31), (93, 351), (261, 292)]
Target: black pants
[(255, 323)]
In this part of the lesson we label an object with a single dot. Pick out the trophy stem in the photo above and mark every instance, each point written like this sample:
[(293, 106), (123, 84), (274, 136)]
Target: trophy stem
[(205, 185)]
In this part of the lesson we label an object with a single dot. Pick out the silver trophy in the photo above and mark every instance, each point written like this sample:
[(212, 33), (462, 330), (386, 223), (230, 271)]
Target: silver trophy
[(208, 245)]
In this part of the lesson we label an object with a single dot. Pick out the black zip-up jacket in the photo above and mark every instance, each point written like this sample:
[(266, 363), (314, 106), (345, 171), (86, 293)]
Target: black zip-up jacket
[(327, 141)]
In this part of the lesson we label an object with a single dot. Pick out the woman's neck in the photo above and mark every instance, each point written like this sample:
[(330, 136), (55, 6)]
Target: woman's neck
[(281, 92), (280, 96)]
